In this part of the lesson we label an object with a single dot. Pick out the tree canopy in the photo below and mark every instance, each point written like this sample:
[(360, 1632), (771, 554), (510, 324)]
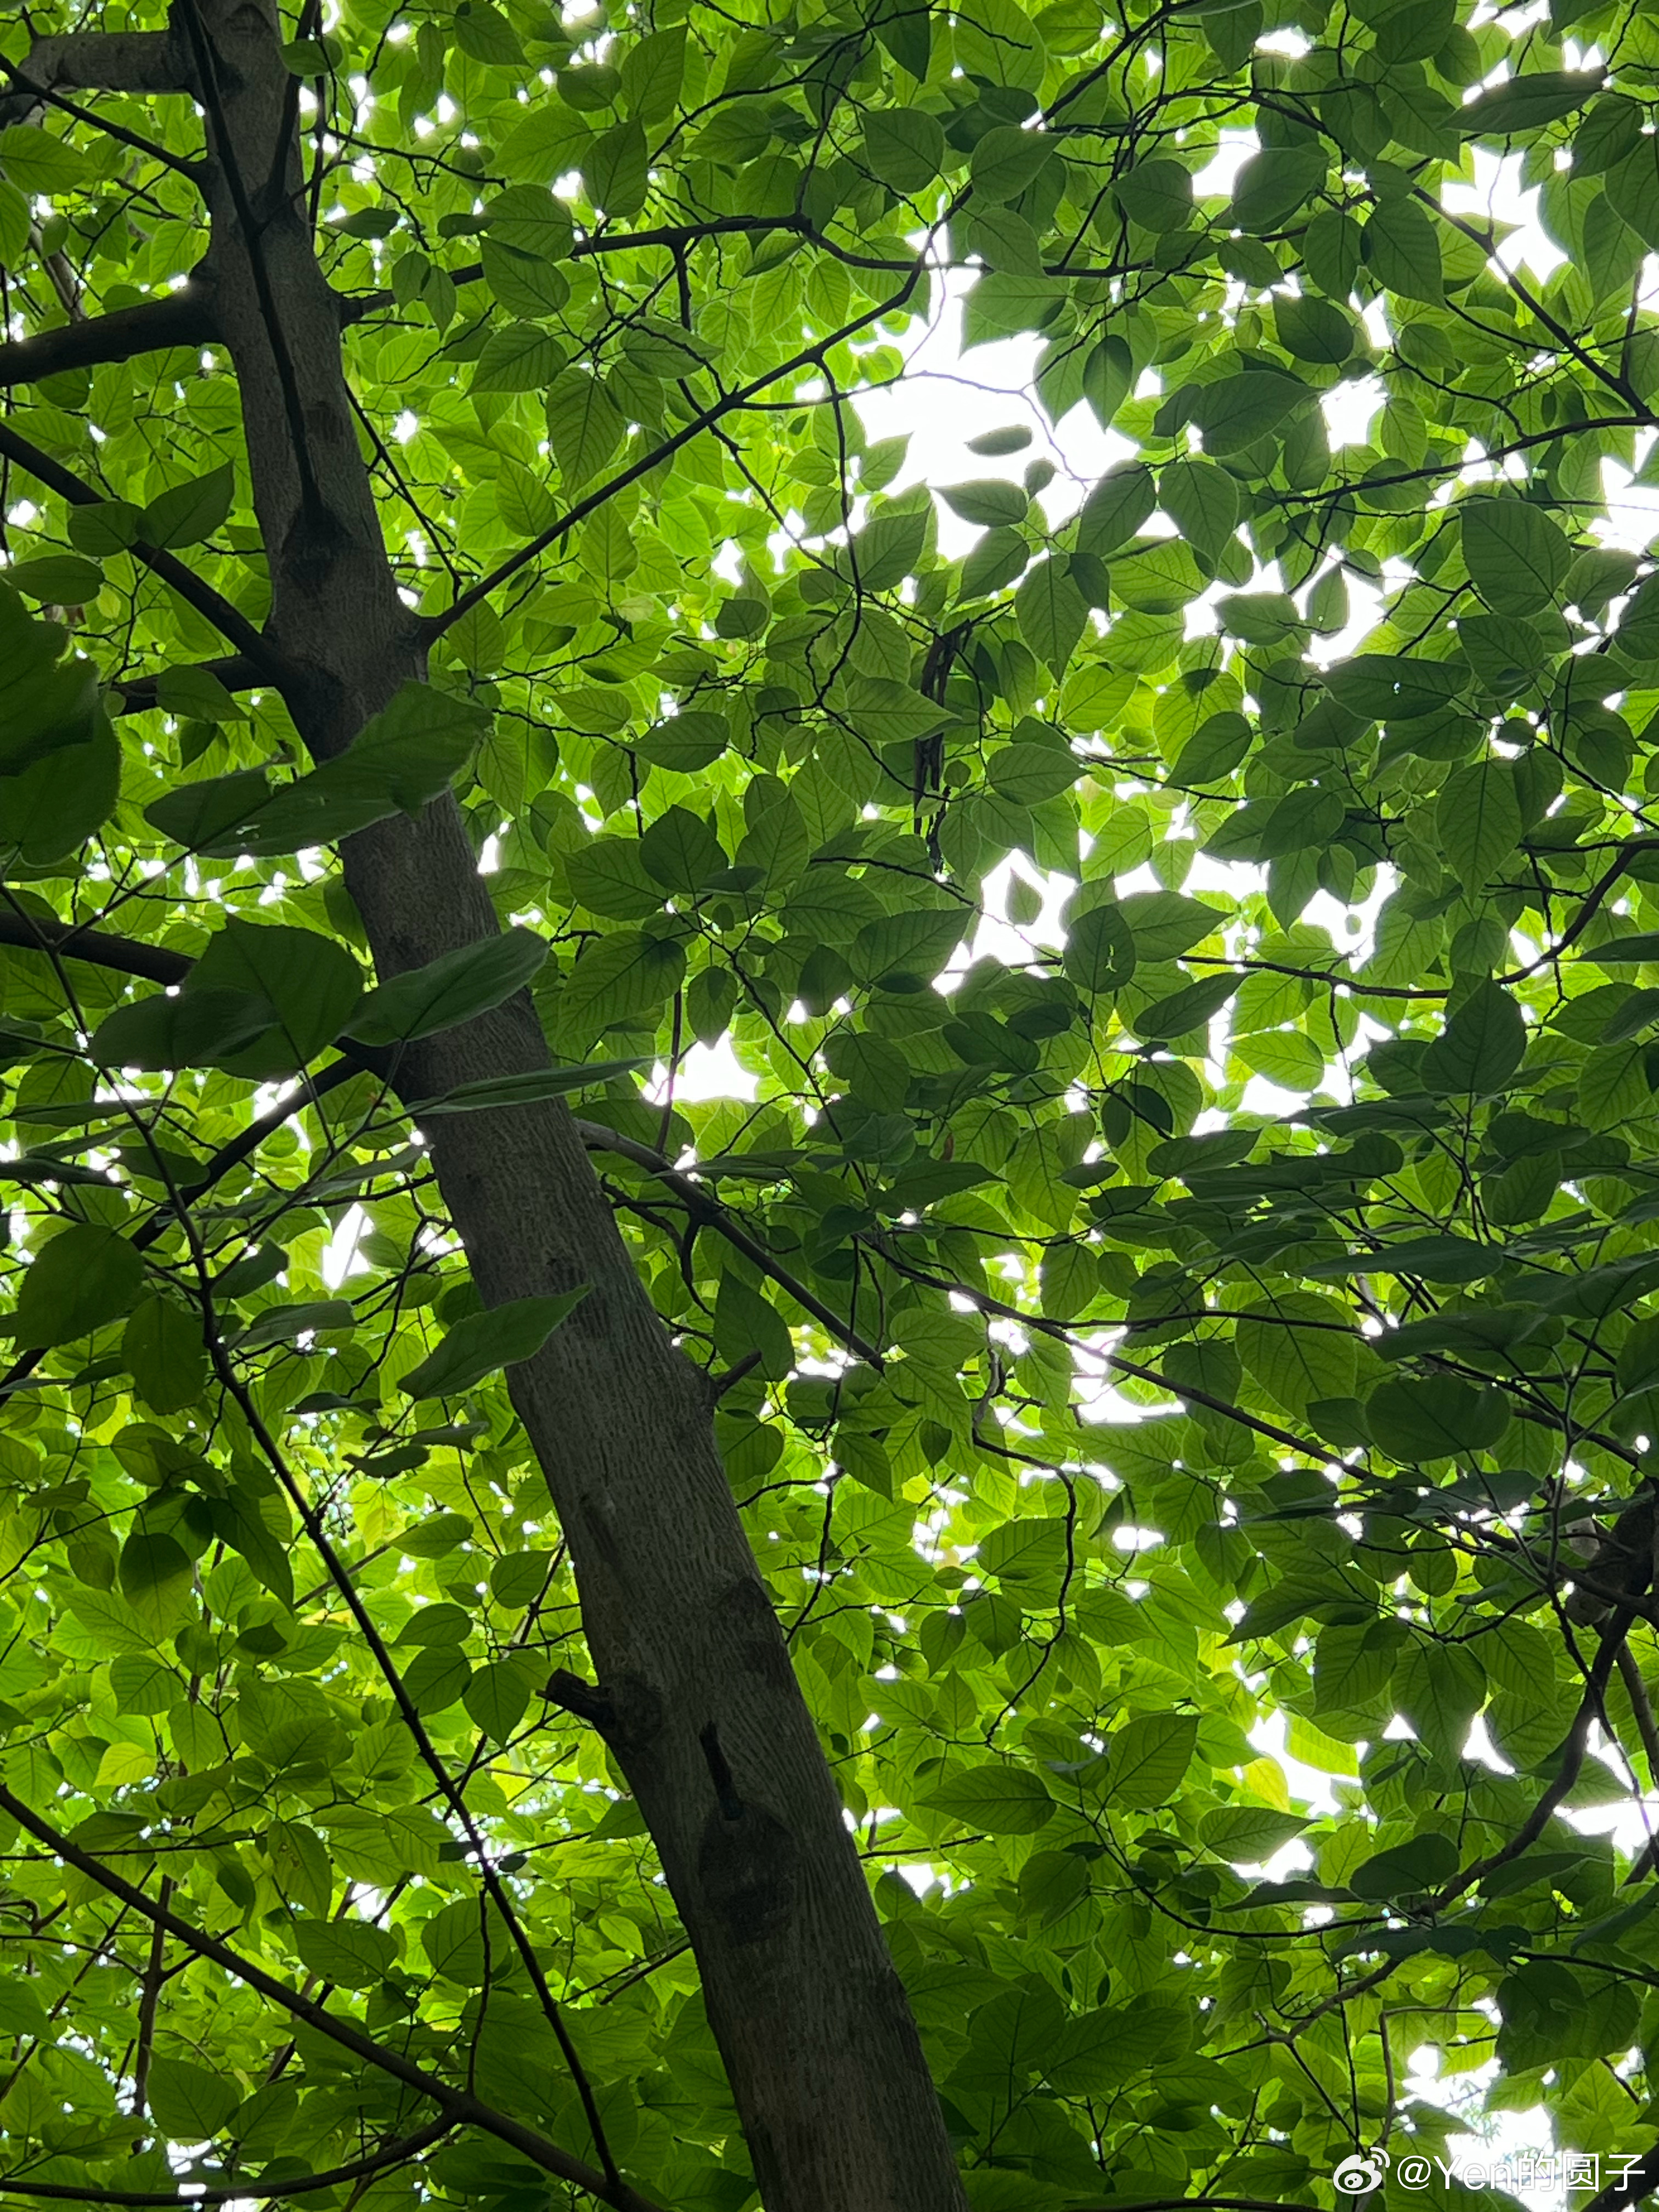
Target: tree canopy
[(1093, 1412)]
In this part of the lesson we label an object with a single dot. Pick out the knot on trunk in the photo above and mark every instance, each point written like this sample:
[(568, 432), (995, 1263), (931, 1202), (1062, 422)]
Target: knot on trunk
[(626, 1714), (746, 1860)]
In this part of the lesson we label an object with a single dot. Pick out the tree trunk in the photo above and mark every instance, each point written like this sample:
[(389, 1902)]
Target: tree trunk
[(697, 1699)]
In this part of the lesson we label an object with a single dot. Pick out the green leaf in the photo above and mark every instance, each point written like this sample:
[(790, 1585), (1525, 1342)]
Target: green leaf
[(369, 222), (196, 1029), (187, 513), (990, 500), (1301, 1347), (156, 1580), (623, 976), (1379, 686), (15, 221), (999, 558), (1517, 555), (350, 1953), (54, 805), (1100, 949), (1479, 818), (1150, 1755), (36, 162), (1006, 161), (437, 1678), (583, 425), (1213, 751), (1202, 500), (1028, 1551), (1481, 1047), (1527, 102), (286, 1324), (484, 1342), (398, 762), (1158, 194), (1607, 135), (1273, 184), (107, 526), (907, 950), (614, 169), (1029, 773), (687, 741), (1116, 508), (198, 694), (311, 983), (1165, 924), (484, 33), (59, 579), (529, 220), (309, 57), (888, 546), (456, 988), (1506, 653), (524, 284), (496, 1698), (653, 71), (191, 2103), (519, 357), (747, 1325), (1401, 249), (81, 1279), (1312, 329), (1247, 1834), (47, 704), (1627, 950), (905, 146), (609, 877), (517, 1578), (1423, 1863), (1004, 240), (1440, 1690), (681, 852), (1237, 411), (999, 1800), (162, 1346), (1051, 611), (1190, 1008), (1435, 1418)]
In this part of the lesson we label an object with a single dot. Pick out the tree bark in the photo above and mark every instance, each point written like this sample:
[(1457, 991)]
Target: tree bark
[(698, 1702)]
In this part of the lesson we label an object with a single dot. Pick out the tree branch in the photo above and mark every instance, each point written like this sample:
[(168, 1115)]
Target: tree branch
[(1642, 2179), (459, 2107), (136, 695), (709, 1211), (1636, 1690), (228, 620), (432, 627), (156, 964), (148, 1999), (74, 940), (394, 2154), (453, 1794), (183, 317), (1572, 1758), (99, 61)]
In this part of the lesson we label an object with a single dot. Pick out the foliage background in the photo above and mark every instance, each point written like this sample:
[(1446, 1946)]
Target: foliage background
[(275, 1623)]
